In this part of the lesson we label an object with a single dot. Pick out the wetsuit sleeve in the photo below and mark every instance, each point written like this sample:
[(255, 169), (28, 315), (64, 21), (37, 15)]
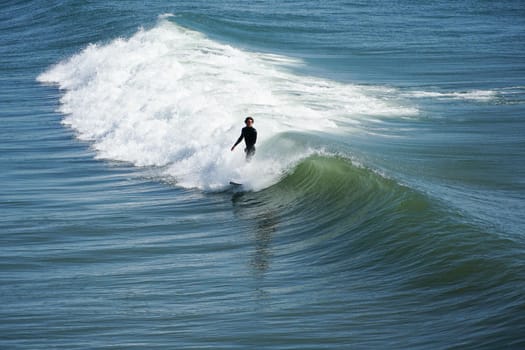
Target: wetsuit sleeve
[(239, 139)]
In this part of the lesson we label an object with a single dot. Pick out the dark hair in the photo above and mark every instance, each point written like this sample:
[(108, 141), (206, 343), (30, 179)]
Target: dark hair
[(248, 118)]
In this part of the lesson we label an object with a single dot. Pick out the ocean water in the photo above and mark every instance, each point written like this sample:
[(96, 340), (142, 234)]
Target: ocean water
[(384, 208)]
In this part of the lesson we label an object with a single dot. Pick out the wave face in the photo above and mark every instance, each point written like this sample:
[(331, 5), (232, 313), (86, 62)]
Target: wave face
[(337, 224), (170, 97)]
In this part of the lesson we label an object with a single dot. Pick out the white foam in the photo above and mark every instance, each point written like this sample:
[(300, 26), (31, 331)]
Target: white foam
[(171, 97), (474, 95)]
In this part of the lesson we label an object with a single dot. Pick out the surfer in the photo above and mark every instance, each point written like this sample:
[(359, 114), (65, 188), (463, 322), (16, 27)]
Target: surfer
[(249, 134)]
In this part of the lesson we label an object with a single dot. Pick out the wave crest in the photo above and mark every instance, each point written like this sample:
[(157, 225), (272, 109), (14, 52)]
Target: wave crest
[(172, 98)]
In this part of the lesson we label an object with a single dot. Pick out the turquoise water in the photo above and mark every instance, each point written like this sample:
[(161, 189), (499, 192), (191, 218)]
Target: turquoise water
[(383, 209)]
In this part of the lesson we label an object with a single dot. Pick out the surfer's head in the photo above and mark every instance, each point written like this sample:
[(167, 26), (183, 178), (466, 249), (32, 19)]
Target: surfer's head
[(248, 120)]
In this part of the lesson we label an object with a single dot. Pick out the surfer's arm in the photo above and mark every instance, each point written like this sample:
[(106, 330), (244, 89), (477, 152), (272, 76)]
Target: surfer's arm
[(238, 141)]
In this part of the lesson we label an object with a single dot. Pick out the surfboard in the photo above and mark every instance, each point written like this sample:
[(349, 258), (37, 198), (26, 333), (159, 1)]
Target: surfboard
[(233, 183)]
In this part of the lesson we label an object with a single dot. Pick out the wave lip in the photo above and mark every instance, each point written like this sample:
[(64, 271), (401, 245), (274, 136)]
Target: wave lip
[(170, 97)]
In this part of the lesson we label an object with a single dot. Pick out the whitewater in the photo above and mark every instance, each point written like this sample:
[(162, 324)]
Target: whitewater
[(171, 98)]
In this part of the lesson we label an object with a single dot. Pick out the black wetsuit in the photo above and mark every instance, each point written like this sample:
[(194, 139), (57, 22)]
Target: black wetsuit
[(250, 137)]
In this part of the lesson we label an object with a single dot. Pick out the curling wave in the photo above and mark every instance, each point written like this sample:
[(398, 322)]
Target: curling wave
[(170, 97)]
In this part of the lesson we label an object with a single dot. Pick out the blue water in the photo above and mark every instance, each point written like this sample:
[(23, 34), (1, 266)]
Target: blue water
[(383, 209)]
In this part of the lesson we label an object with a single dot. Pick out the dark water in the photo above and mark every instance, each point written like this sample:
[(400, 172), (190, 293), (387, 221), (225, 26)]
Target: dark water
[(383, 209)]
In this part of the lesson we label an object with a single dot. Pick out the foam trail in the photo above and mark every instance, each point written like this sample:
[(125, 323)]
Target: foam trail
[(172, 98), (474, 95)]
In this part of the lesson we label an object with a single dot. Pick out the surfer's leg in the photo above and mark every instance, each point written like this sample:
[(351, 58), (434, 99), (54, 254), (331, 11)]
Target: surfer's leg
[(249, 153)]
